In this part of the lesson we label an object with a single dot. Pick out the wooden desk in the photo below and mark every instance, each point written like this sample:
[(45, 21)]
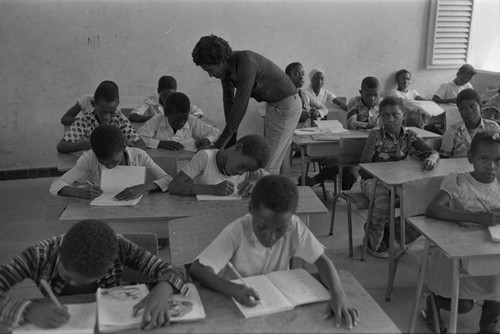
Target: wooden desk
[(468, 245), (392, 175), (222, 315), (66, 161), (153, 211)]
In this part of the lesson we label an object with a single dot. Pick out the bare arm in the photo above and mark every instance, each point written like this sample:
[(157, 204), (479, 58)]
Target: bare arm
[(67, 147), (138, 118), (182, 184), (69, 117), (340, 103), (437, 99)]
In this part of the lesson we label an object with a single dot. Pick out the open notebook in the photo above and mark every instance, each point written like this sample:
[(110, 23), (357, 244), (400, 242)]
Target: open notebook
[(283, 290), (115, 305), (430, 108), (115, 180)]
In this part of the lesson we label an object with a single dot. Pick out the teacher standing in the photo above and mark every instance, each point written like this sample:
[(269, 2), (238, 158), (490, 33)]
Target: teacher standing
[(246, 74)]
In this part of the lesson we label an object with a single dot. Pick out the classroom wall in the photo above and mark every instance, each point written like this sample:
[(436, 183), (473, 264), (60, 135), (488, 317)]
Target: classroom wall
[(53, 51)]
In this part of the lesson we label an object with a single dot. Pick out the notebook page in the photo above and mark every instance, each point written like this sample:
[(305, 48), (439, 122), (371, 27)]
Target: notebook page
[(83, 318), (116, 179), (299, 286), (186, 308), (430, 108), (494, 232), (271, 299), (232, 197), (109, 200)]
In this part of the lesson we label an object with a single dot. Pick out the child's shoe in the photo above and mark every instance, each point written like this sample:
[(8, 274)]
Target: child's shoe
[(382, 252)]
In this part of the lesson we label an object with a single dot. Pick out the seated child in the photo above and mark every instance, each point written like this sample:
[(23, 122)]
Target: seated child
[(311, 109), (457, 138), (84, 104), (108, 151), (491, 109), (467, 197), (448, 91), (222, 172), (363, 111), (270, 235), (90, 255), (176, 124), (392, 142), (403, 78), (105, 112), (323, 96), (153, 105)]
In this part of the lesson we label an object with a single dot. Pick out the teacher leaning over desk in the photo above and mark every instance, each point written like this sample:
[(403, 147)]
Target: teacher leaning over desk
[(246, 74)]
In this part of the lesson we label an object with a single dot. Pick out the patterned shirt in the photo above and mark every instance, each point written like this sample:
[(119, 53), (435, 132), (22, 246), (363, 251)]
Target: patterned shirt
[(457, 138), (83, 127), (41, 260), (359, 115)]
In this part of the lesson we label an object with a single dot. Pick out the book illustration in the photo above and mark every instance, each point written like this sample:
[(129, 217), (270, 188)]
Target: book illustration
[(186, 308), (117, 179)]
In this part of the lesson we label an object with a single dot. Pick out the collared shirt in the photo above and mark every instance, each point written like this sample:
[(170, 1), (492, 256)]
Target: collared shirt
[(88, 168), (41, 260), (151, 107), (359, 115), (83, 127), (238, 244), (411, 94), (450, 90), (308, 102), (381, 146), (158, 128), (251, 75), (456, 140), (324, 95)]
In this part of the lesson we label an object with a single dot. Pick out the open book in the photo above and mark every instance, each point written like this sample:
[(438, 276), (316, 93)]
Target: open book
[(430, 108), (233, 197), (494, 232), (331, 127), (117, 179), (115, 305), (283, 290), (82, 321)]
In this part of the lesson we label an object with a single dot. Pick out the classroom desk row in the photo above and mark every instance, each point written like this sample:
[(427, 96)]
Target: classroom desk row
[(222, 315)]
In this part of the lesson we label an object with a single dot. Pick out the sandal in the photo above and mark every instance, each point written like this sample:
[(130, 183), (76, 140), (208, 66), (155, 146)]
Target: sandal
[(426, 314)]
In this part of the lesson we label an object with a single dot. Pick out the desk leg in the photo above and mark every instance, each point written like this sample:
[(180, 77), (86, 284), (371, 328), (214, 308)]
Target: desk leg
[(455, 284), (392, 257), (420, 286), (303, 164)]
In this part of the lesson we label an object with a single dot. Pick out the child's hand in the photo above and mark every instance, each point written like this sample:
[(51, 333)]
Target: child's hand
[(155, 305), (224, 188), (130, 193), (246, 296), (46, 314), (339, 307), (171, 145), (245, 188), (89, 191), (491, 218), (314, 112), (304, 116), (202, 143), (428, 164), (370, 126)]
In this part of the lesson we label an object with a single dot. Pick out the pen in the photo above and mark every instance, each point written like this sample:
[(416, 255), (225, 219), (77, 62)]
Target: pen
[(47, 288), (230, 265), (92, 184), (484, 206)]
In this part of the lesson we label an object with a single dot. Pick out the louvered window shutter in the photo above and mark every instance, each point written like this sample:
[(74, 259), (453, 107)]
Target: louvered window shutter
[(449, 32)]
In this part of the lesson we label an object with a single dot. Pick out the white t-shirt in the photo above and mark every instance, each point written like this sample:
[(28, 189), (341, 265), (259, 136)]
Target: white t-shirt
[(450, 90), (411, 94)]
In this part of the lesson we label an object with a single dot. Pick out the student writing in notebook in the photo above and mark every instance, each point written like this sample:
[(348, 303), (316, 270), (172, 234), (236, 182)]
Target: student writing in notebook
[(223, 172), (177, 124), (153, 105), (109, 150), (264, 241), (89, 255), (105, 111), (448, 91), (469, 197), (363, 111)]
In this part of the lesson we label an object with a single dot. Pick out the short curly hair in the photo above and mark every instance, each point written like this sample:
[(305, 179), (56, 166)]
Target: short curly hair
[(107, 140), (468, 94), (211, 50), (292, 66), (107, 91), (257, 148), (370, 83), (89, 248), (276, 193), (178, 103), (486, 136), (392, 101), (401, 73)]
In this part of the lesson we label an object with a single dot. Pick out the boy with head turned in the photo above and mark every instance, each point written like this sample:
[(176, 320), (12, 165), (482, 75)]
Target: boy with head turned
[(105, 111), (264, 241), (448, 91), (363, 110), (223, 172), (390, 142), (166, 130), (90, 255), (153, 105), (458, 137)]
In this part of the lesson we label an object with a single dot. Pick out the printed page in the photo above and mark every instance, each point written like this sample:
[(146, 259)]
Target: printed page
[(494, 232), (117, 179), (271, 299), (115, 307), (83, 317), (186, 308), (299, 286)]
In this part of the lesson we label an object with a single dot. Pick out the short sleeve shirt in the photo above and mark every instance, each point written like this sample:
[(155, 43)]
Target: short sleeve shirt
[(411, 94), (323, 97), (450, 90), (358, 114)]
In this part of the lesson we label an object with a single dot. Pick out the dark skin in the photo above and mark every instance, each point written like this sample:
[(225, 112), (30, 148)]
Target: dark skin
[(177, 120)]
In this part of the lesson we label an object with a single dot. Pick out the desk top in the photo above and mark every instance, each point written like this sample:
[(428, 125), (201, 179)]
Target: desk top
[(395, 173), (222, 315), (160, 205), (457, 240)]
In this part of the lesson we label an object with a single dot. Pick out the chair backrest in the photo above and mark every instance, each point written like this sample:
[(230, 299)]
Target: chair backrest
[(148, 241), (188, 237), (417, 194)]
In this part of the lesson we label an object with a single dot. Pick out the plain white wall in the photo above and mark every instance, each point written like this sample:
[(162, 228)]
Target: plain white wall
[(53, 51)]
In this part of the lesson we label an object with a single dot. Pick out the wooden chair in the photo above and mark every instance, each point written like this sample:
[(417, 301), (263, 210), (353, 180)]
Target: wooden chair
[(350, 155), (148, 241)]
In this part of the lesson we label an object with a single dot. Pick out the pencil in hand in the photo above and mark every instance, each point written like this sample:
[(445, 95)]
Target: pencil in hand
[(47, 288), (233, 269)]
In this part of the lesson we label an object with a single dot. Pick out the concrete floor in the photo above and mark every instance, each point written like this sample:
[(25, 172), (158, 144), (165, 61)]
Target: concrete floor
[(29, 213)]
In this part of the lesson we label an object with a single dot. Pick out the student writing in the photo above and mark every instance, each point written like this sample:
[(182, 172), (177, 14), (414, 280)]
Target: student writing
[(363, 111), (448, 91)]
